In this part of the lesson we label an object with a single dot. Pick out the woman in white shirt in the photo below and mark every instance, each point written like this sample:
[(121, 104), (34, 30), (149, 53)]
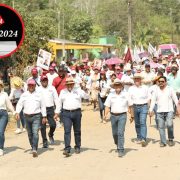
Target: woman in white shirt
[(14, 96), (103, 88), (5, 104)]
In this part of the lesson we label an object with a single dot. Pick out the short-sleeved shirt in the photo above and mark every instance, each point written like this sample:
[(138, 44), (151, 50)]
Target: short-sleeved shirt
[(118, 102), (139, 95)]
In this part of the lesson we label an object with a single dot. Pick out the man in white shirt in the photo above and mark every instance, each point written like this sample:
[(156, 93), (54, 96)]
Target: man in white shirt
[(140, 97), (118, 102), (51, 75), (70, 103), (34, 110), (77, 79), (127, 78), (164, 96), (50, 97), (148, 76)]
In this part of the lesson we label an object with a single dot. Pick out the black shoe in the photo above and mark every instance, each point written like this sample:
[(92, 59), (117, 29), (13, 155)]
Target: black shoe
[(171, 143), (77, 150), (162, 145), (121, 153), (66, 153), (45, 145), (51, 140)]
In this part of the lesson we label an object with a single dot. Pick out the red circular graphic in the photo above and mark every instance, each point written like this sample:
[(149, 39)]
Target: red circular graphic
[(11, 24)]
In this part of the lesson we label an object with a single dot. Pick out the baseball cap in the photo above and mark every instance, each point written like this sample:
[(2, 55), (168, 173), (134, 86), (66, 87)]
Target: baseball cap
[(31, 82), (44, 77)]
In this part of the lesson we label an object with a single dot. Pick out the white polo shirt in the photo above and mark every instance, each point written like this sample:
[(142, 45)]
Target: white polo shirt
[(32, 103), (139, 95), (70, 100), (118, 102), (50, 95)]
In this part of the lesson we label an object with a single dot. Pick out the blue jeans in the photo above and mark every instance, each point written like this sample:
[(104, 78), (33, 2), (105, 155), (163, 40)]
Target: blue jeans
[(155, 112), (52, 124), (21, 121), (33, 125), (72, 119), (140, 117), (118, 128), (3, 124), (101, 105), (165, 119)]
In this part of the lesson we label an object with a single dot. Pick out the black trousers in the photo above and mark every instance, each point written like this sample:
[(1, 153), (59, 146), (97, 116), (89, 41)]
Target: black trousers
[(52, 124), (72, 119)]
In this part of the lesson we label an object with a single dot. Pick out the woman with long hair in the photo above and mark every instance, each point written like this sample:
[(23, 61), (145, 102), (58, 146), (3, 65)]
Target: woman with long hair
[(103, 88)]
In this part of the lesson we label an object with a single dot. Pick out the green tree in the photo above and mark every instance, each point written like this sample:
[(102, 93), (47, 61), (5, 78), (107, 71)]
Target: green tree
[(80, 28)]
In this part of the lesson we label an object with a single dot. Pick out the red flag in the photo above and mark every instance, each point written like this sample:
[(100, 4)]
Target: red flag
[(128, 56), (1, 21)]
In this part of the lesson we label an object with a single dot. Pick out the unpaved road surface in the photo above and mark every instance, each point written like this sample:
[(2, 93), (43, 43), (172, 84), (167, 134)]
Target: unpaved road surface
[(98, 159)]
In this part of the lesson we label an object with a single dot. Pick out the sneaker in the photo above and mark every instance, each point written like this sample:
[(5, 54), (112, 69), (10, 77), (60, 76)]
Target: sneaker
[(1, 152), (66, 153), (104, 122), (45, 145), (18, 131), (171, 143), (34, 153), (121, 153), (51, 139), (162, 145), (138, 141), (77, 150), (23, 130), (31, 151), (143, 143)]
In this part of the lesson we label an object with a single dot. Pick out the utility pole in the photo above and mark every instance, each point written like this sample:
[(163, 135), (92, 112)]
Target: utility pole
[(59, 24), (129, 24)]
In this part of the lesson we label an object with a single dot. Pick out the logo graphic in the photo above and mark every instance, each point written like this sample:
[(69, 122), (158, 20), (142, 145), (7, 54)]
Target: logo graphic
[(1, 20), (11, 31)]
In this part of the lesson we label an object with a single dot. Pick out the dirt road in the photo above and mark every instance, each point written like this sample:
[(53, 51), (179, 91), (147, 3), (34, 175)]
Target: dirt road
[(98, 159)]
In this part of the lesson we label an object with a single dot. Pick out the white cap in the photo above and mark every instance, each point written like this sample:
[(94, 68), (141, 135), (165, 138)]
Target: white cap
[(73, 72)]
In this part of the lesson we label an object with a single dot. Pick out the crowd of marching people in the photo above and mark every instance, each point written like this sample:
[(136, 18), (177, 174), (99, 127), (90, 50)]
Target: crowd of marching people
[(133, 89)]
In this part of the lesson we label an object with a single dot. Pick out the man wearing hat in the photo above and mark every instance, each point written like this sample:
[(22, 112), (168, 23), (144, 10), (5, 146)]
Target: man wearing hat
[(127, 77), (70, 107), (34, 110), (51, 75), (77, 79), (117, 104), (148, 76), (50, 97), (140, 97)]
